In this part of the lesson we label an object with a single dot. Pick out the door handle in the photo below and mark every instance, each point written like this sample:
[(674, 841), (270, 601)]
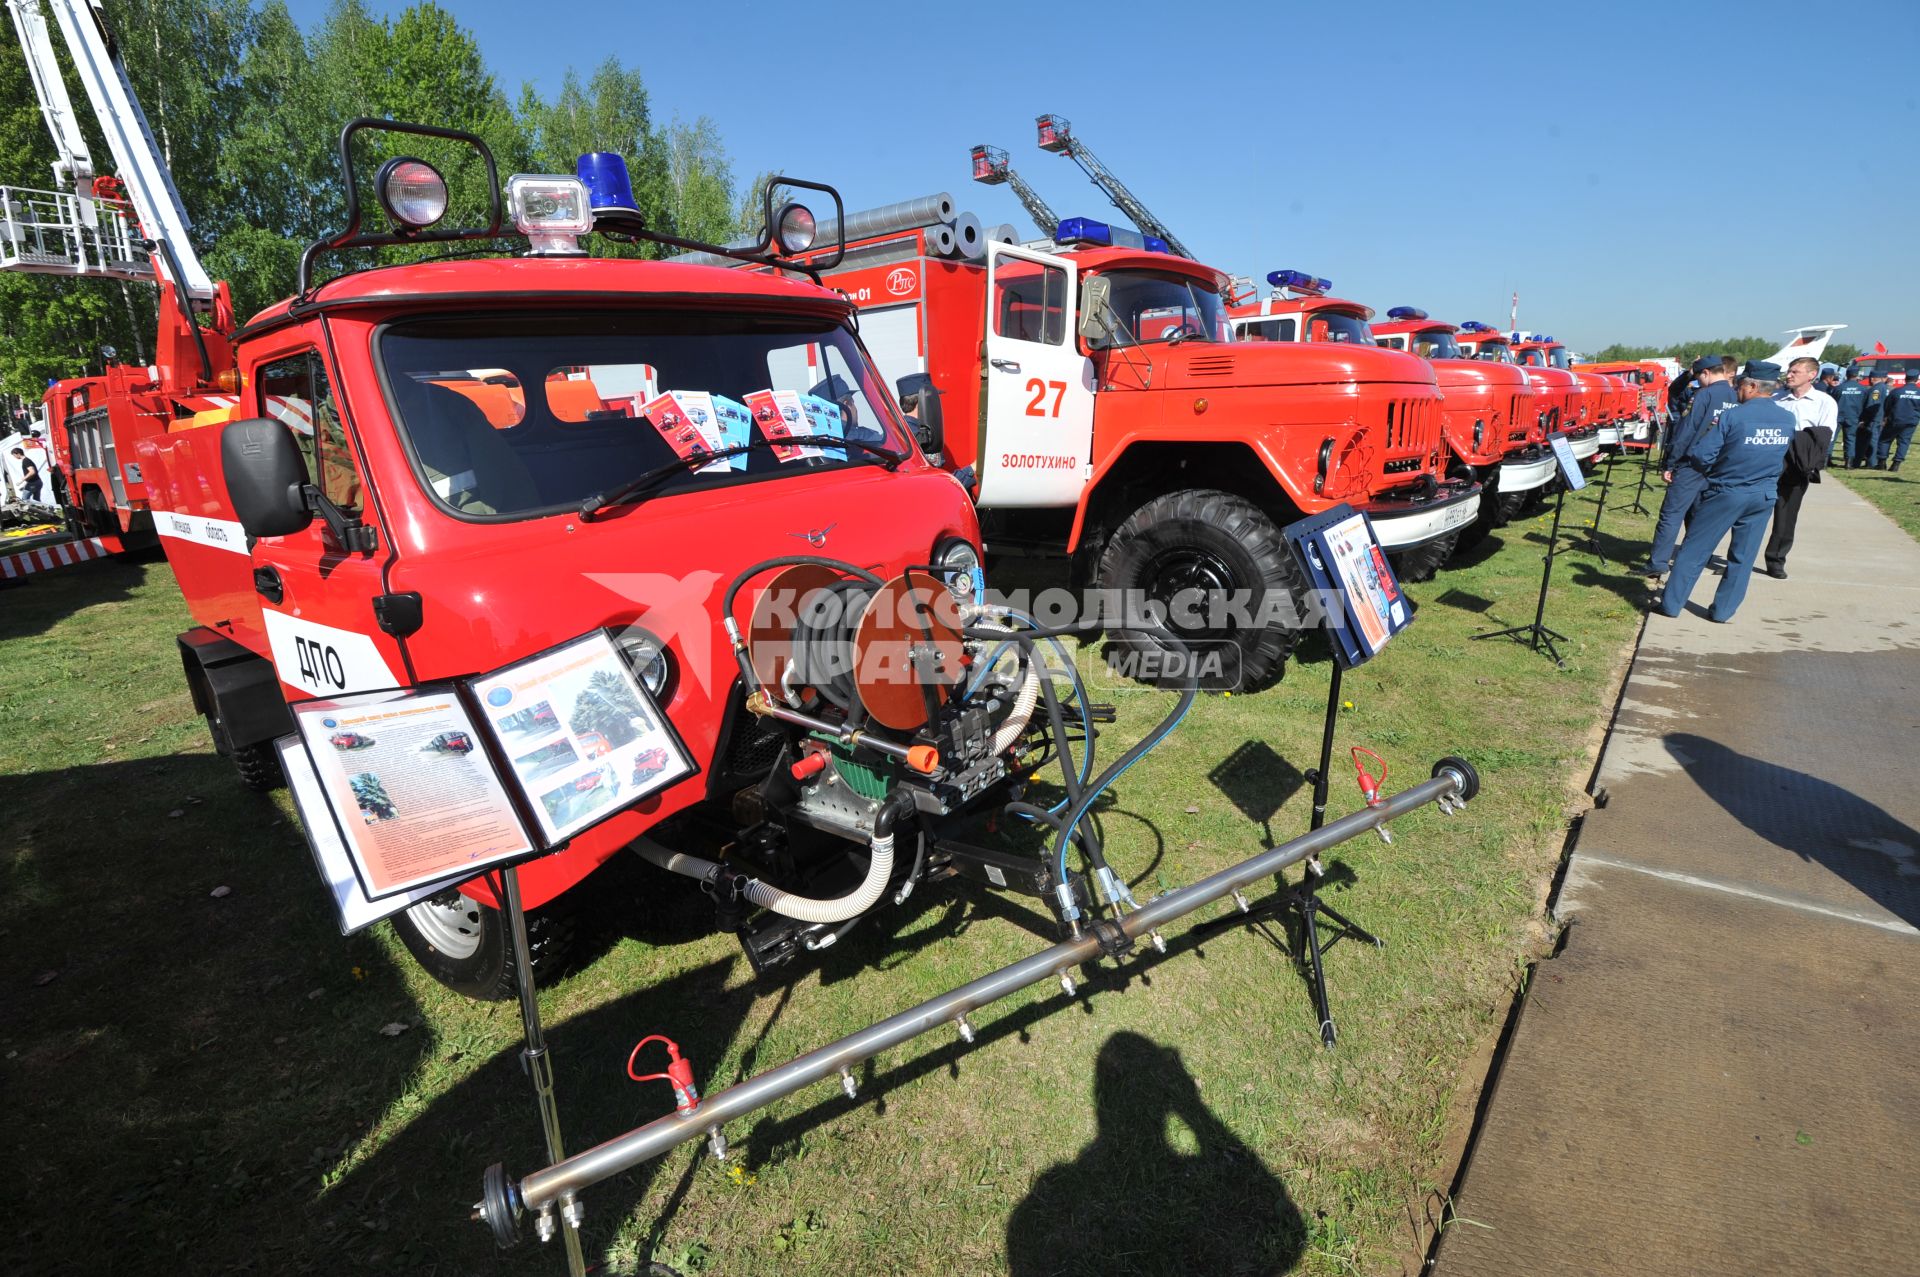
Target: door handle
[(268, 585), (1006, 365)]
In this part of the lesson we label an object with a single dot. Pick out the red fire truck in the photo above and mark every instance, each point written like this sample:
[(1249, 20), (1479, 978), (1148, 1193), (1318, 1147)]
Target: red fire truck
[(1645, 401), (1093, 405), (1897, 368), (1557, 393), (1596, 398), (1492, 426)]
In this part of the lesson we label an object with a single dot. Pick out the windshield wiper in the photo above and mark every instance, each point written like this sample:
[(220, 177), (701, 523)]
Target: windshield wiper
[(885, 457)]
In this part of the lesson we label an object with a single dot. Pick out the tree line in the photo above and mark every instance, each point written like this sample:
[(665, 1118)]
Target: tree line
[(1741, 348), (247, 109)]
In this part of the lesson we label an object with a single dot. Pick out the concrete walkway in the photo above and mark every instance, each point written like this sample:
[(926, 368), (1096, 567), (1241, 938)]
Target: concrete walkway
[(1720, 1072)]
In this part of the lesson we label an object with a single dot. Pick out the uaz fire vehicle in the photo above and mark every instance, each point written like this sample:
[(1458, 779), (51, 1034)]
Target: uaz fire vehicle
[(1093, 404), (1300, 311), (1491, 425), (412, 537)]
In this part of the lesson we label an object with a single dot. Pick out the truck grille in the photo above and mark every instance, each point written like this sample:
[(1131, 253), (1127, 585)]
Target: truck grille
[(1520, 418), (1413, 426)]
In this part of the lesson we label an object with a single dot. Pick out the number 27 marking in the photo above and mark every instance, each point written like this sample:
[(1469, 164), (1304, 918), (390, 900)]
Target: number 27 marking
[(1036, 407)]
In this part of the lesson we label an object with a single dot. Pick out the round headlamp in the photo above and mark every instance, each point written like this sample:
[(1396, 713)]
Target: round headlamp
[(794, 229), (959, 565), (412, 191), (649, 660)]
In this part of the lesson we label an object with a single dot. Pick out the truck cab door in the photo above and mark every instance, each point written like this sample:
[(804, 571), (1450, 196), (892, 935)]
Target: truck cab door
[(316, 597), (1037, 448)]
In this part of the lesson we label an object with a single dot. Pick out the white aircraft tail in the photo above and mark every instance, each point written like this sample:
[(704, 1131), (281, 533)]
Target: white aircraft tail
[(1809, 341)]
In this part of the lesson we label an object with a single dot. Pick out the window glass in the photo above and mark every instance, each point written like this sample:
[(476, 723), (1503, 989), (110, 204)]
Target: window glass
[(295, 390), (1029, 301), (1435, 343), (613, 395), (1149, 306), (1265, 329), (1339, 327)]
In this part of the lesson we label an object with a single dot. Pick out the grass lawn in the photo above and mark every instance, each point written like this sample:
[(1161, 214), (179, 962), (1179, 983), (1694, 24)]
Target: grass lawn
[(215, 1081), (1895, 495)]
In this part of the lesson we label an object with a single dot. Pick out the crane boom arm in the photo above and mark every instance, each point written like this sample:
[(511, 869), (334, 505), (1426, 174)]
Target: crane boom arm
[(1055, 136), (1043, 216), (149, 185), (73, 169)]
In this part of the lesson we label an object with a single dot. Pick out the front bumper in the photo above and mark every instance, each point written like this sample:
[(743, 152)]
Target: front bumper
[(1524, 475), (1586, 445), (1403, 524)]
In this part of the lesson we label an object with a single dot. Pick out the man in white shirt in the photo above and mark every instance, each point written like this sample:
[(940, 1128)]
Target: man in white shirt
[(1815, 417)]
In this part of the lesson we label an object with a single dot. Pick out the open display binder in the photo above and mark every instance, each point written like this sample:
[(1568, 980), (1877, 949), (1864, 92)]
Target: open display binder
[(407, 792), (1345, 562)]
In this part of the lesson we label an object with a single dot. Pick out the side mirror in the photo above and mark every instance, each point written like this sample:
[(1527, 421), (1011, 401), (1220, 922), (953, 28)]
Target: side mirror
[(266, 477), (917, 389), (1095, 293)]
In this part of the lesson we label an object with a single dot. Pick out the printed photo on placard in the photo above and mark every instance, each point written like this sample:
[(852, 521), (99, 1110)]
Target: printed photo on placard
[(582, 737), (412, 798), (1341, 555), (351, 906)]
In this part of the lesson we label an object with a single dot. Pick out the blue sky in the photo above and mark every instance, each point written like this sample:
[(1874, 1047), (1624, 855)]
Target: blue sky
[(1645, 173)]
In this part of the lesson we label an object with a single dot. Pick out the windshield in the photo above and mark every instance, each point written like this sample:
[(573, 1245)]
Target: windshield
[(523, 415), (1148, 306), (1436, 343), (1338, 326), (1558, 357), (1494, 352)]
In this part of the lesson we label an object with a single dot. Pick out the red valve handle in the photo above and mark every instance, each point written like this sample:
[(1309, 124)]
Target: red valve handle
[(1370, 786), (679, 1074)]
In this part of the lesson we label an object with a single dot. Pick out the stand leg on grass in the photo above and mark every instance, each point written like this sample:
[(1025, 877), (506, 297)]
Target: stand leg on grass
[(1537, 634)]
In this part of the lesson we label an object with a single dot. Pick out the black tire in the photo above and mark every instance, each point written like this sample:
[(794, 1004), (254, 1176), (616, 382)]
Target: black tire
[(1487, 517), (1211, 540), (1421, 562), (96, 518), (464, 945), (259, 767)]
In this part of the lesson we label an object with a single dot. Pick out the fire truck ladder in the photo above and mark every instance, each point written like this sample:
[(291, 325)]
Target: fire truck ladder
[(1056, 135), (71, 230), (991, 167)]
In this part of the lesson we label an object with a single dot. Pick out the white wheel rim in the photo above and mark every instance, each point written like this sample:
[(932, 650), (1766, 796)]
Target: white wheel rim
[(453, 929)]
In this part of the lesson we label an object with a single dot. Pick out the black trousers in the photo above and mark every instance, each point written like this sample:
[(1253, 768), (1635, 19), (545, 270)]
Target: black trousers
[(1786, 513)]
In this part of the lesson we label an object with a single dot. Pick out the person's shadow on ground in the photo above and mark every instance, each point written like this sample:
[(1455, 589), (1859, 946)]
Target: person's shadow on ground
[(1815, 819), (1165, 1187)]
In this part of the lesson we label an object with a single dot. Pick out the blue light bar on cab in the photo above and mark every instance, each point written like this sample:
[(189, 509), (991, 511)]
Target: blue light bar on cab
[(1406, 312), (1085, 230), (608, 187), (1299, 281), (1475, 326)]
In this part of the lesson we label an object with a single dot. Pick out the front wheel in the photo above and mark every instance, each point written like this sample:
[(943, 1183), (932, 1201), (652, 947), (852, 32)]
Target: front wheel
[(1422, 561), (1221, 571), (464, 944)]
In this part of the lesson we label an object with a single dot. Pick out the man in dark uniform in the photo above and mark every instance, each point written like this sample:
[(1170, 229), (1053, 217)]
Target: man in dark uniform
[(1900, 413), (1685, 481), (1829, 380), (1871, 416), (1849, 400), (1742, 458)]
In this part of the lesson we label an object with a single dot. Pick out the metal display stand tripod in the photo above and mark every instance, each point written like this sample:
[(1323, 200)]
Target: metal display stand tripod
[(1537, 634), (1303, 901), (1640, 489), (1606, 480)]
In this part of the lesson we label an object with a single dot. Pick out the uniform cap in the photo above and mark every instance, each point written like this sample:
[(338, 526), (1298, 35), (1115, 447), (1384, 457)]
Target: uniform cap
[(1761, 370), (1706, 363)]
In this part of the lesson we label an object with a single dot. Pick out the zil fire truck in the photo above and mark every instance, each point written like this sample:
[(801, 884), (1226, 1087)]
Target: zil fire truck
[(1596, 398), (1645, 401), (1557, 393), (1491, 425), (1091, 402)]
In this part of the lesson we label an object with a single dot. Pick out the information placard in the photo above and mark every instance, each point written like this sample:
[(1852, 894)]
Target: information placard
[(1343, 559), (414, 798), (350, 904), (580, 735), (1569, 464)]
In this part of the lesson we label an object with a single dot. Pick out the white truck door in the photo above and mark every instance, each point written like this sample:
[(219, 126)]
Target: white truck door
[(1038, 449)]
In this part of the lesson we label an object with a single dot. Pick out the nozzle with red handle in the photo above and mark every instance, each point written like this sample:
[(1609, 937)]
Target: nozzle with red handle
[(1370, 786), (679, 1074)]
